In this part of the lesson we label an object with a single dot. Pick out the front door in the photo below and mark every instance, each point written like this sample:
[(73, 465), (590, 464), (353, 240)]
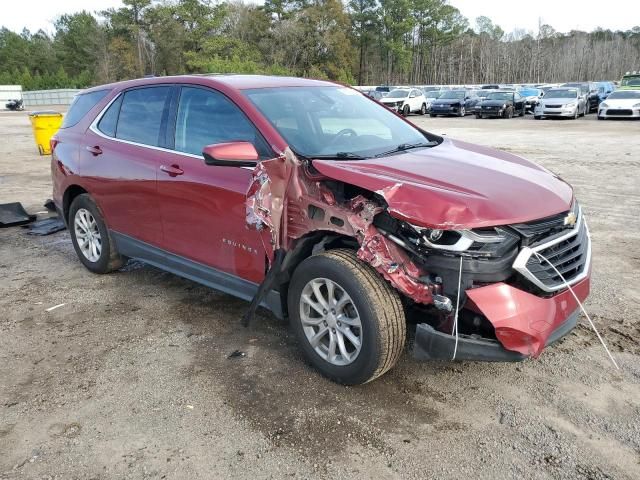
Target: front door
[(203, 207)]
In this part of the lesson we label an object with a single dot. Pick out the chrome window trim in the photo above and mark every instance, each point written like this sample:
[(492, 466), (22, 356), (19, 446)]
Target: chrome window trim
[(520, 263), (94, 128)]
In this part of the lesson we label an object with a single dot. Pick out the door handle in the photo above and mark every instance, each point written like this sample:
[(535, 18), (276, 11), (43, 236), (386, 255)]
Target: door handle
[(172, 170), (95, 150)]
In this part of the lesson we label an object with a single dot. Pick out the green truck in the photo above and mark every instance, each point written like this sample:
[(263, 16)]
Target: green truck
[(630, 81)]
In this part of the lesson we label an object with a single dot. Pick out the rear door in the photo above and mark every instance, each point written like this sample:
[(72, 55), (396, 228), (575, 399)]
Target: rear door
[(120, 158), (203, 207)]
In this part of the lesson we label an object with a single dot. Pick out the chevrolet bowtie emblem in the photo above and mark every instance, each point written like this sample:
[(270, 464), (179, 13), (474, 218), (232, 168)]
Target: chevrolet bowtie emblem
[(570, 220)]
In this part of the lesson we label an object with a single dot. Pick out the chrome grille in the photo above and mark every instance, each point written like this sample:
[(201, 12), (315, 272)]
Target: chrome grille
[(570, 254)]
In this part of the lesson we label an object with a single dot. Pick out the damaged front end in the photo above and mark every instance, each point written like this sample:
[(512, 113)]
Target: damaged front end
[(510, 304)]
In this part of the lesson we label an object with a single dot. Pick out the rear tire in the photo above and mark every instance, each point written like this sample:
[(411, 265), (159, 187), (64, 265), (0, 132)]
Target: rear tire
[(91, 238), (372, 313)]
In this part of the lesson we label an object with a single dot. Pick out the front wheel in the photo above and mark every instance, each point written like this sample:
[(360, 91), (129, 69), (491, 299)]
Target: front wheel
[(462, 112), (423, 109), (90, 236), (537, 117), (432, 115), (405, 111), (348, 320)]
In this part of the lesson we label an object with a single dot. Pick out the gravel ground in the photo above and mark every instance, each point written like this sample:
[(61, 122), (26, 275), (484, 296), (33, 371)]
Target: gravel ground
[(131, 377)]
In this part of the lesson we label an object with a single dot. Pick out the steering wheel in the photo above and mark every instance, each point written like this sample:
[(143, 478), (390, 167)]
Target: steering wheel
[(342, 133)]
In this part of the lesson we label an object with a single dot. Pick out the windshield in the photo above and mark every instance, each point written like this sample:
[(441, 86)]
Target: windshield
[(333, 121), (453, 94), (398, 94), (529, 92), (500, 96), (624, 95), (572, 93), (630, 82)]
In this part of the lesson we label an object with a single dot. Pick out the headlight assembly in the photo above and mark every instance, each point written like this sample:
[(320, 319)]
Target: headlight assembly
[(458, 240), (637, 105), (604, 105)]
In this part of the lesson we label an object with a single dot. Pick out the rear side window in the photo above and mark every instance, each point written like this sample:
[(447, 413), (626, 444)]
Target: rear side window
[(109, 120), (206, 117), (142, 113), (81, 106)]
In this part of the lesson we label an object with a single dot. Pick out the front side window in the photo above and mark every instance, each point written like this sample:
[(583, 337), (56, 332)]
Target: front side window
[(141, 115), (324, 121), (81, 105), (206, 117)]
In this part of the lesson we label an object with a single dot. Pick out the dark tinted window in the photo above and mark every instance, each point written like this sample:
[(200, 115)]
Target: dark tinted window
[(206, 117), (141, 115), (81, 106), (107, 123)]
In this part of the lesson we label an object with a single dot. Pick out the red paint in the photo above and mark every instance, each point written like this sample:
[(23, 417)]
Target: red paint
[(523, 322), (457, 185), (241, 151)]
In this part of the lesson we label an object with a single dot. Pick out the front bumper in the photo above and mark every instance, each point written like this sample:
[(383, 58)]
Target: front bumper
[(619, 112), (524, 325), (444, 110), (556, 112), (491, 112)]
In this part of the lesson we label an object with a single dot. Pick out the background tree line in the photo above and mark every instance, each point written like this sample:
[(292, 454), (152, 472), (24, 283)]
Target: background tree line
[(363, 42)]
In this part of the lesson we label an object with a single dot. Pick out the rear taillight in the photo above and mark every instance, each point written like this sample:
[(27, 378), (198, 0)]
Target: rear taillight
[(52, 143)]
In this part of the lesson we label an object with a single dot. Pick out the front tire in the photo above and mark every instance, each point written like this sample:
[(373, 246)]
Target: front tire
[(405, 111), (462, 112), (90, 237), (432, 115), (423, 109), (509, 113), (348, 320)]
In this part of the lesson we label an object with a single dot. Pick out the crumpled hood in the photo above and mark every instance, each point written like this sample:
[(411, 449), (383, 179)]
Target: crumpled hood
[(457, 185)]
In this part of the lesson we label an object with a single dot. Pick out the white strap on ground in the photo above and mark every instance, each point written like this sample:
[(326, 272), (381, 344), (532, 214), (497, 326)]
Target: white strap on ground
[(541, 257), (455, 319)]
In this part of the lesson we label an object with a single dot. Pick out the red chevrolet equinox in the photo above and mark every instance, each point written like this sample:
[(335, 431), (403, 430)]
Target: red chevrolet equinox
[(314, 201)]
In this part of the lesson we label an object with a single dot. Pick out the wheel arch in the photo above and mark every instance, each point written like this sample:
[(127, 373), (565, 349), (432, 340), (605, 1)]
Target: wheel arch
[(305, 247), (70, 194)]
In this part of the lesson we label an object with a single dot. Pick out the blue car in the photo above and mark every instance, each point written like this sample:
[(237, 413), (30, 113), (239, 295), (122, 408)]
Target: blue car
[(604, 89)]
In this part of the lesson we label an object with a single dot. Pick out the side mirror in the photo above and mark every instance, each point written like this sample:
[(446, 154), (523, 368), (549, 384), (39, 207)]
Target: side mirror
[(230, 154)]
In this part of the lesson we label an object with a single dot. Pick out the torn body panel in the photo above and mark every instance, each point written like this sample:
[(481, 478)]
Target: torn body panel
[(285, 202), (524, 322)]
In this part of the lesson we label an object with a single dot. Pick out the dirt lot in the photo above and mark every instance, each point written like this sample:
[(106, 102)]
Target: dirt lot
[(130, 378)]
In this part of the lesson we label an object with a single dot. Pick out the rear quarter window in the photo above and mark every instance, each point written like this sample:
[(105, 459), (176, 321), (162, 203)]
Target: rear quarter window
[(81, 106)]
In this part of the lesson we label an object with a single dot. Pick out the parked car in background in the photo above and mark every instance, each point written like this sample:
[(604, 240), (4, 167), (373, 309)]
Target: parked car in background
[(604, 90), (375, 94), (430, 96), (501, 104), (589, 90), (386, 220), (620, 104), (562, 102), (453, 102), (531, 96), (630, 81), (406, 101)]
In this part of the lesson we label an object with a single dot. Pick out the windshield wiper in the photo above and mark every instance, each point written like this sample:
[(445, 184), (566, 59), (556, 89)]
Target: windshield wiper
[(407, 146), (339, 156)]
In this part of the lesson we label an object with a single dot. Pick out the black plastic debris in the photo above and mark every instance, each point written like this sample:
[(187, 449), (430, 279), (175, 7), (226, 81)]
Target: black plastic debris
[(237, 354), (12, 214), (49, 205), (46, 226)]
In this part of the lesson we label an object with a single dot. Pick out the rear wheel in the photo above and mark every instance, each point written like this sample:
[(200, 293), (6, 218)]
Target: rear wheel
[(90, 237), (348, 320)]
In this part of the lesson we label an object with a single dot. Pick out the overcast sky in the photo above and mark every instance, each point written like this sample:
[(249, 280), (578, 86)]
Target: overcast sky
[(563, 15)]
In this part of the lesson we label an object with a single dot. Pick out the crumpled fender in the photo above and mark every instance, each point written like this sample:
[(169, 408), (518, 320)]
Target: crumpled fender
[(277, 205)]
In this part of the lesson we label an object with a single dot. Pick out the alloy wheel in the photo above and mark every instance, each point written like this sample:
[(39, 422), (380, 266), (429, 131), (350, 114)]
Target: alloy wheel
[(330, 321), (87, 234)]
